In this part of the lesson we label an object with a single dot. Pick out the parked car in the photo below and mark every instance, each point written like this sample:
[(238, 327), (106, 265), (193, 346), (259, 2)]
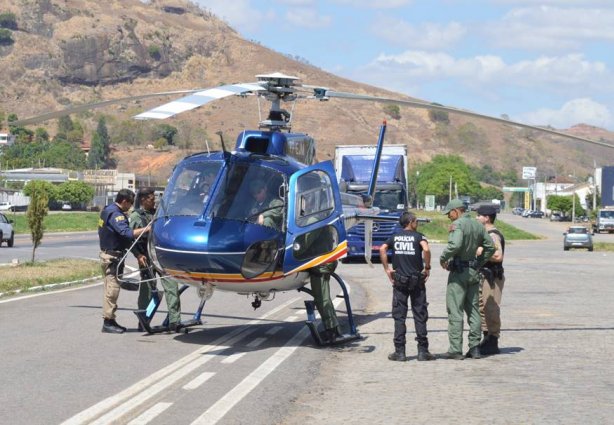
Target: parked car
[(536, 214), (555, 216), (5, 206), (518, 211), (6, 231), (66, 207), (577, 237)]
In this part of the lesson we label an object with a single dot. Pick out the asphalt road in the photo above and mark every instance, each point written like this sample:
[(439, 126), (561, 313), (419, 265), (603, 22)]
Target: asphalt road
[(259, 366)]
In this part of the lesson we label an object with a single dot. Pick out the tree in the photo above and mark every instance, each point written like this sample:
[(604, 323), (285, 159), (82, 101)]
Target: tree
[(65, 125), (435, 178), (6, 37), (100, 151), (37, 210), (166, 131), (75, 192)]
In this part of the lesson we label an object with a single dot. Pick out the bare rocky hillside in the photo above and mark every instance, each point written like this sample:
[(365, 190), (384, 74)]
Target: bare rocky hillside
[(69, 52)]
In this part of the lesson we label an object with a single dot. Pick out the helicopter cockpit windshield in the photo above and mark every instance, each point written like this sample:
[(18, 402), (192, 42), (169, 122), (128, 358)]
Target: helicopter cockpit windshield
[(252, 193), (190, 188)]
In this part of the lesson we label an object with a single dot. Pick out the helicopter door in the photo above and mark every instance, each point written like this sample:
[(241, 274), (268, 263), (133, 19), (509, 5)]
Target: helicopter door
[(316, 233)]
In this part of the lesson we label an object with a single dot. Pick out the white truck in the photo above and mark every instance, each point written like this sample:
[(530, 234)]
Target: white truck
[(6, 139), (353, 167), (604, 222)]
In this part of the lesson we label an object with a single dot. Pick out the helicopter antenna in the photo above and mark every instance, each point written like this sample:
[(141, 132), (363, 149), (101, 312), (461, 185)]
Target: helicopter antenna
[(208, 150), (219, 133)]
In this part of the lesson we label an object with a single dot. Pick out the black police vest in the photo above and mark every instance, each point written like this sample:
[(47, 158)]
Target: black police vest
[(490, 264), (109, 239)]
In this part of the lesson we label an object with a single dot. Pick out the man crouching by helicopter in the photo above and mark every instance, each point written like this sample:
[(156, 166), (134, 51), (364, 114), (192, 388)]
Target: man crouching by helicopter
[(115, 236)]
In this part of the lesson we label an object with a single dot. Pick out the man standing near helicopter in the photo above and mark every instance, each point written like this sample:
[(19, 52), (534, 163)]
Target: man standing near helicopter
[(115, 236), (141, 217)]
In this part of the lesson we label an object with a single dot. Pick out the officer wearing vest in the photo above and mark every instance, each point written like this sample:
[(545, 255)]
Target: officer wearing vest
[(465, 235), (492, 283), (411, 266), (115, 238)]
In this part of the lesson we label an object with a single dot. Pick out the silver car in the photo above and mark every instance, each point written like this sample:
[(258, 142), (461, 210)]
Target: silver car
[(6, 231), (577, 237)]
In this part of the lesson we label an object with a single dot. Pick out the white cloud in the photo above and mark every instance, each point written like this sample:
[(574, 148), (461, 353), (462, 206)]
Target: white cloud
[(545, 27), (564, 74), (428, 36), (584, 110), (307, 18)]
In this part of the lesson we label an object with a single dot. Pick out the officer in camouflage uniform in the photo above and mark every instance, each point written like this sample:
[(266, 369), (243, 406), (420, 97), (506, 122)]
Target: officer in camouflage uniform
[(462, 294), (140, 218)]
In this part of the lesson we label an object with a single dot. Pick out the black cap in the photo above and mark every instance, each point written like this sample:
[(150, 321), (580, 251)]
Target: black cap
[(487, 210)]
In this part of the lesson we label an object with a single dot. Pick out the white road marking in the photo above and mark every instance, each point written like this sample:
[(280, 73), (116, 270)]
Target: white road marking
[(256, 342), (293, 319), (216, 412), (133, 391), (150, 414), (198, 381), (274, 330), (231, 398), (233, 358)]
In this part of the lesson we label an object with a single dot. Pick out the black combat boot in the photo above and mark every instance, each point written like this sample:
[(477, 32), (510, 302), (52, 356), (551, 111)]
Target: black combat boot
[(491, 347), (424, 355), (398, 355), (114, 323), (110, 327), (474, 353)]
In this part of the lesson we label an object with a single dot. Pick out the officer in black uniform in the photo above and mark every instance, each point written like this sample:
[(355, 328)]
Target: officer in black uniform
[(411, 262), (115, 236)]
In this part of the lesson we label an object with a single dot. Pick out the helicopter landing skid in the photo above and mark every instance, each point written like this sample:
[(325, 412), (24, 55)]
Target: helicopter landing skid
[(145, 316), (312, 324)]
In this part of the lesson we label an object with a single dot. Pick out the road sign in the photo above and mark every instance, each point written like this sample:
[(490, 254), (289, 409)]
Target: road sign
[(528, 173)]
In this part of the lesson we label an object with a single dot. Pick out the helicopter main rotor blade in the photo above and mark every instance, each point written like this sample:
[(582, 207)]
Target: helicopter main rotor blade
[(324, 94), (88, 106), (197, 99)]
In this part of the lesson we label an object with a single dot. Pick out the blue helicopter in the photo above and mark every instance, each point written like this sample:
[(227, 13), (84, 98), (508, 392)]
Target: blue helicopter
[(240, 220)]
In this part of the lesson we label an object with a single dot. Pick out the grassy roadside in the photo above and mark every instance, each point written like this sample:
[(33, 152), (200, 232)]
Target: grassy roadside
[(58, 222), (27, 276), (437, 229)]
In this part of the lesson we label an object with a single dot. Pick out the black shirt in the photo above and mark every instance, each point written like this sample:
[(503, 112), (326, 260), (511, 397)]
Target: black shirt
[(406, 252)]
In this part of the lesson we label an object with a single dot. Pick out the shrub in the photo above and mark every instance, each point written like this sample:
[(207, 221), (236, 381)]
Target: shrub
[(393, 111), (8, 20), (6, 37), (154, 52)]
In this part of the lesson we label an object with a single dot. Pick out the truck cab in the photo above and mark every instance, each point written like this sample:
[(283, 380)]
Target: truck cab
[(354, 165), (604, 221)]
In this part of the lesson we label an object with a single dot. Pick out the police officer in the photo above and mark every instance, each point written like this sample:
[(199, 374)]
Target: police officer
[(411, 262), (139, 218), (462, 293), (115, 238), (492, 283)]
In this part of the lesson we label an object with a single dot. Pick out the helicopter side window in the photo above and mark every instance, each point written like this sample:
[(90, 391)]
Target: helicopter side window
[(315, 201)]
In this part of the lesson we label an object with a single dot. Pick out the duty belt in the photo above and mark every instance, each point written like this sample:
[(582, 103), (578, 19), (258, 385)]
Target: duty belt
[(114, 252)]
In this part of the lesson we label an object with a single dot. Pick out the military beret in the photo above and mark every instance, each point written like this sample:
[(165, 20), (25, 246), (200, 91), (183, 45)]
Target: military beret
[(454, 203), (487, 210)]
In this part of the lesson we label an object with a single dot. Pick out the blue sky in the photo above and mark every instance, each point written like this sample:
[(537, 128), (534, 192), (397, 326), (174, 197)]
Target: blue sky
[(539, 62)]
